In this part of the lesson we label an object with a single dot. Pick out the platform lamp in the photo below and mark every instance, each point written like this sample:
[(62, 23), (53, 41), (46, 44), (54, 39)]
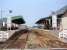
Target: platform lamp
[(9, 21), (10, 11)]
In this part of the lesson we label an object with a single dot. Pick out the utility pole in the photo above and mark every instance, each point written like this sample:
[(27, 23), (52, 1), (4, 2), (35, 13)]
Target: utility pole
[(3, 22), (1, 17), (1, 13)]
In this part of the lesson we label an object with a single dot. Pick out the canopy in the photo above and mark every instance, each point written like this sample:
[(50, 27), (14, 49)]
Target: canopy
[(18, 20)]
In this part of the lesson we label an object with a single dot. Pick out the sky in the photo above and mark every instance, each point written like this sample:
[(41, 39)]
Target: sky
[(31, 10)]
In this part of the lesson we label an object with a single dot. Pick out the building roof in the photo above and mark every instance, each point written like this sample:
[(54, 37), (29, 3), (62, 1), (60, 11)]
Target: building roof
[(59, 14), (62, 10), (40, 21), (18, 20), (16, 17)]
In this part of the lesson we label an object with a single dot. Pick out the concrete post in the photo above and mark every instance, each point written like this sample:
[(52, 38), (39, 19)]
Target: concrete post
[(54, 21)]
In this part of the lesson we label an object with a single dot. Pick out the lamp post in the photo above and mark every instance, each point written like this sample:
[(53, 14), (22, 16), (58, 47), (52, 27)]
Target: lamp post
[(9, 21), (10, 11)]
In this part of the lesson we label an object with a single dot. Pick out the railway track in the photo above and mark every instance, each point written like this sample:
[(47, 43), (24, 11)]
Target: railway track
[(14, 41), (34, 38), (44, 39)]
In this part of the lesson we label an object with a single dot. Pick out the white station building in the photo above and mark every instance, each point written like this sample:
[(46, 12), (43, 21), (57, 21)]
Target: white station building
[(9, 25)]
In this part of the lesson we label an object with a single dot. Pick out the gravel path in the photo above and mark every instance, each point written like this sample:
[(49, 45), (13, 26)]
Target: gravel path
[(34, 38)]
